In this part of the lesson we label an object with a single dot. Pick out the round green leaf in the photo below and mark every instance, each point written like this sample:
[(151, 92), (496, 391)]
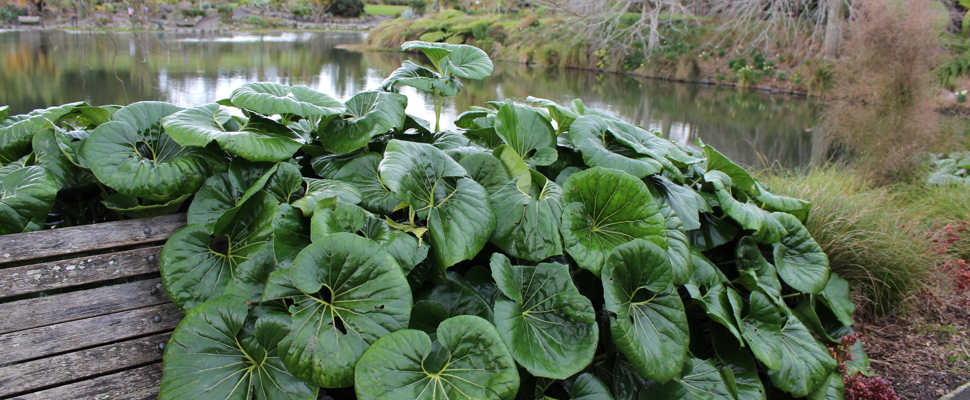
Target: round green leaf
[(26, 196), (526, 132), (527, 224), (549, 327), (650, 324), (468, 361), (701, 380), (761, 330), (215, 354), (318, 190), (273, 98), (257, 139), (718, 162), (805, 362), (423, 79), (368, 114), (352, 219), (747, 214), (730, 355), (458, 297), (604, 209), (352, 294), (467, 62), (457, 209), (195, 267), (224, 193), (594, 137), (135, 157), (801, 262), (361, 172), (835, 296), (487, 170)]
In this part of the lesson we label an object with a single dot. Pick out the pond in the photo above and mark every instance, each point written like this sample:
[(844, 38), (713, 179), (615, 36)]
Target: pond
[(44, 68)]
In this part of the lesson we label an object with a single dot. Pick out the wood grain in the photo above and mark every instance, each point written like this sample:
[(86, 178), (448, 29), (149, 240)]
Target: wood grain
[(136, 384), (58, 242), (54, 371), (60, 338), (78, 271), (49, 310)]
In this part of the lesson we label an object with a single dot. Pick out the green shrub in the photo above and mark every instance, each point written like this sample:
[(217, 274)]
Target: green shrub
[(257, 20), (346, 8), (192, 12), (419, 7), (225, 13)]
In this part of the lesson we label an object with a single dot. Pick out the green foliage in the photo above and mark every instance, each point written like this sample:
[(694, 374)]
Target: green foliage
[(192, 12), (343, 245), (346, 8), (870, 237)]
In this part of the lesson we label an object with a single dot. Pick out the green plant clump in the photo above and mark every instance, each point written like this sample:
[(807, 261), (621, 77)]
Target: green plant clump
[(540, 251)]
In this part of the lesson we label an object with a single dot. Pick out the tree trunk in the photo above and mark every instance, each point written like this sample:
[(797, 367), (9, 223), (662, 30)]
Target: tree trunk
[(833, 29), (653, 41), (957, 12)]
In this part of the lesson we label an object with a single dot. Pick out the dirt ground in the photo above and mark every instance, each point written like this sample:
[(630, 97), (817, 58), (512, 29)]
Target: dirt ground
[(924, 352)]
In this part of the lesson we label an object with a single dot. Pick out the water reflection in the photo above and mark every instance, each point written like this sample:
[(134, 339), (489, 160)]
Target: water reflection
[(40, 69)]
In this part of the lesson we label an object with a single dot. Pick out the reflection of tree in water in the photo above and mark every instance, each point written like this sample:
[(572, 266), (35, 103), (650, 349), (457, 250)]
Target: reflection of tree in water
[(41, 69)]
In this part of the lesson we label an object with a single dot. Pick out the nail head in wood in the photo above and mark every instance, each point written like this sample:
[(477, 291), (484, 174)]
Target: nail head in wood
[(147, 230), (158, 318)]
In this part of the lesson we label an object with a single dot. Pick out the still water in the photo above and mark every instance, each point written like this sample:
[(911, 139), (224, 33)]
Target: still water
[(44, 68)]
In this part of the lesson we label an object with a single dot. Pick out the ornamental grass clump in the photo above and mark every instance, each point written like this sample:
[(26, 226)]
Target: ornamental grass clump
[(540, 250)]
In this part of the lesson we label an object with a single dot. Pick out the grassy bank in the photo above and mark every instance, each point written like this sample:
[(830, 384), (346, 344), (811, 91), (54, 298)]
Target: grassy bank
[(694, 49)]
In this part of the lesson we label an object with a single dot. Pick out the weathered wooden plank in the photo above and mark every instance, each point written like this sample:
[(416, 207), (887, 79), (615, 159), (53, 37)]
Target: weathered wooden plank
[(53, 371), (136, 384), (50, 310), (56, 242), (78, 271), (59, 338)]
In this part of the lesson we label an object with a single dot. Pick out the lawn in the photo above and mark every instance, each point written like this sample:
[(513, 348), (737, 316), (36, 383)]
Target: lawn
[(374, 9)]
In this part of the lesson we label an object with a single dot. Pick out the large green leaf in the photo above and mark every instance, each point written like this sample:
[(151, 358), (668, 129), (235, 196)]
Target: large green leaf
[(562, 116), (835, 296), (257, 139), (487, 170), (458, 297), (730, 355), (687, 203), (757, 274), (649, 324), (224, 193), (26, 195), (678, 246), (526, 132), (273, 98), (368, 114), (805, 362), (593, 136), (352, 219), (604, 209), (318, 190), (352, 294), (773, 202), (361, 172), (747, 214), (17, 132), (761, 329), (723, 305), (468, 361), (549, 327), (467, 62), (718, 162), (423, 79), (215, 354), (801, 262), (195, 267), (527, 224), (701, 380), (133, 155), (49, 156), (457, 209)]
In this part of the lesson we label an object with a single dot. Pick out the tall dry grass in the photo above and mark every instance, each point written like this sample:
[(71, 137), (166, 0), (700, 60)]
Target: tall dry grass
[(882, 110)]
